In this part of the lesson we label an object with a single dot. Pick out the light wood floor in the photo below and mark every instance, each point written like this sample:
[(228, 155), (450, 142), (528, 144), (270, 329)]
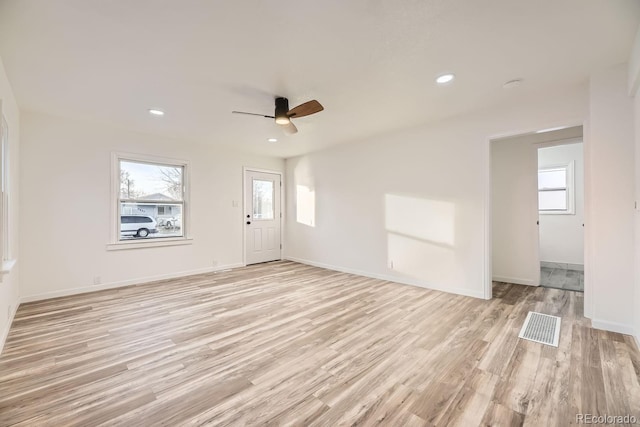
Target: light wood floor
[(285, 343)]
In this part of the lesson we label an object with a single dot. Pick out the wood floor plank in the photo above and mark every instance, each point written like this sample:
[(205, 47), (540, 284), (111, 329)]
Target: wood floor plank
[(289, 344)]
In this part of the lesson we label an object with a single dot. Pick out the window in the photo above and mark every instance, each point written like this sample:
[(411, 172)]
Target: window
[(555, 189), (150, 200), (4, 189), (263, 199)]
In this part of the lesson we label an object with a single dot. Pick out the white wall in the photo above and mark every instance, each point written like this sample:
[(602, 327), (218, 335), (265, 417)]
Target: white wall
[(636, 308), (562, 236), (514, 189), (634, 90), (417, 198), (9, 289), (65, 183), (609, 221)]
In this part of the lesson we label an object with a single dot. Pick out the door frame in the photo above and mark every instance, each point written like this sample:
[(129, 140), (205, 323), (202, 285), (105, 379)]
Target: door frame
[(488, 212), (246, 169)]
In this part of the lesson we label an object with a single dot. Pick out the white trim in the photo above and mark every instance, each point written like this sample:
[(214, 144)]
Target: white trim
[(589, 264), (612, 326), (560, 142), (138, 281), (245, 169), (488, 214), (515, 280), (5, 190), (114, 232), (5, 333), (149, 243), (395, 279), (7, 266)]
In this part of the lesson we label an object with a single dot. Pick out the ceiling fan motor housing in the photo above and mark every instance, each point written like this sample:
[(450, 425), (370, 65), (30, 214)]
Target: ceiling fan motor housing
[(282, 108)]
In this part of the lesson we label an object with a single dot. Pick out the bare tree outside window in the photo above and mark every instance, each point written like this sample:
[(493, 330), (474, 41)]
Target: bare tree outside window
[(172, 177), (127, 185)]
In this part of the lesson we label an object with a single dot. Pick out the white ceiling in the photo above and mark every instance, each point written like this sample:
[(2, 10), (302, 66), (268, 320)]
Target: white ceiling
[(371, 63)]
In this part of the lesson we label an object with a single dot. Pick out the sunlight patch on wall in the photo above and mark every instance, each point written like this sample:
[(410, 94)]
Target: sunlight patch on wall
[(421, 260), (305, 205), (430, 220), (420, 238)]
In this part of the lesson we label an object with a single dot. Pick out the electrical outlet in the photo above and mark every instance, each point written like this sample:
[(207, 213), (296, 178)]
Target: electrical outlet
[(215, 262), (391, 264), (97, 280)]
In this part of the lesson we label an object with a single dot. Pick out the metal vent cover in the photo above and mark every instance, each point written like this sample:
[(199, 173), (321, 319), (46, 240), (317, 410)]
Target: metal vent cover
[(542, 328)]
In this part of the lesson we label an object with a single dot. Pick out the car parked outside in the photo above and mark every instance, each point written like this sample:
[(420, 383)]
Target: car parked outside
[(137, 225)]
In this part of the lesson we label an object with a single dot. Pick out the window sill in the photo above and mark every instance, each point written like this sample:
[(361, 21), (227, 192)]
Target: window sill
[(556, 213), (149, 244), (7, 266)]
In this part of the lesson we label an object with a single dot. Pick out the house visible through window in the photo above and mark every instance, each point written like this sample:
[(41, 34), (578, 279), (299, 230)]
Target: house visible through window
[(151, 200), (555, 190)]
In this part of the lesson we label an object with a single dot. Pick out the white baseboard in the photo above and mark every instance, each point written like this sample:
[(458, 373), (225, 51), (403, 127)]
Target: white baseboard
[(614, 327), (138, 281), (389, 278), (516, 280), (5, 333)]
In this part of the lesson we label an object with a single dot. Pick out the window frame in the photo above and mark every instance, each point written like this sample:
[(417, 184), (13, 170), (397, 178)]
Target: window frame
[(7, 262), (569, 188), (114, 242)]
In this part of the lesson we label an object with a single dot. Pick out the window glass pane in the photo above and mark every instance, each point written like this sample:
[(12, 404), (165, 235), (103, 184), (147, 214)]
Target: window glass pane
[(143, 181), (552, 178), (4, 176), (262, 199), (143, 221), (552, 200)]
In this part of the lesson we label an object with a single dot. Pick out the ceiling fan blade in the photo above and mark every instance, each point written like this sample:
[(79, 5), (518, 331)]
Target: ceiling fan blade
[(253, 114), (290, 128), (310, 107)]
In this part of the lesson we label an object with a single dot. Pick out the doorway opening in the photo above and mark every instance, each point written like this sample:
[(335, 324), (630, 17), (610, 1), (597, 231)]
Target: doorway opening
[(561, 214), (537, 209)]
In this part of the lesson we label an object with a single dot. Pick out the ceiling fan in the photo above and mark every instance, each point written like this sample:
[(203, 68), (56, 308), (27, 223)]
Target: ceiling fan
[(283, 114)]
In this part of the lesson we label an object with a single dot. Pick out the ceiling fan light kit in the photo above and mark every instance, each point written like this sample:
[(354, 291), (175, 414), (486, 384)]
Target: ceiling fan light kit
[(283, 114), (282, 108)]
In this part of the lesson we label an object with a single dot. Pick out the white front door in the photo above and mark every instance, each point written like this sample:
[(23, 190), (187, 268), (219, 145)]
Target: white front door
[(262, 216)]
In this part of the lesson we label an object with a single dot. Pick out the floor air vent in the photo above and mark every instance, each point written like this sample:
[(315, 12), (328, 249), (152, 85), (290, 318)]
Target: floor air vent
[(541, 328)]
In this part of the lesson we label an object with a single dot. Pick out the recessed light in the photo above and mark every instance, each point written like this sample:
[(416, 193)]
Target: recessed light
[(552, 129), (445, 78), (512, 83), (156, 112), (272, 140)]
